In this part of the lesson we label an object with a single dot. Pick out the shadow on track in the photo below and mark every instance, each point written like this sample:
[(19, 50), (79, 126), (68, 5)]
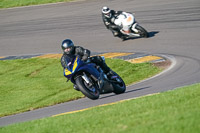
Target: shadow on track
[(129, 91), (153, 33), (150, 34)]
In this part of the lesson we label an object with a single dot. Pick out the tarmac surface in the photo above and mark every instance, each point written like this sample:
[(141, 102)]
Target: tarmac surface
[(173, 26), (131, 57)]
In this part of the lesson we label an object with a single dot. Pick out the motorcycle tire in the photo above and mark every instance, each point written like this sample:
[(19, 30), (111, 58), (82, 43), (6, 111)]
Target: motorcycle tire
[(119, 87), (92, 93), (142, 31)]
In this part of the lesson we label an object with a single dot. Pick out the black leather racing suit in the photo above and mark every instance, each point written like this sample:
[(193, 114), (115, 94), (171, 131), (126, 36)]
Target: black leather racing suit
[(84, 54), (109, 22)]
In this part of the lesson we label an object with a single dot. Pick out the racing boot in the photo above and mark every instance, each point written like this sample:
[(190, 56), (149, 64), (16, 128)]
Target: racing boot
[(115, 34), (110, 74), (76, 87)]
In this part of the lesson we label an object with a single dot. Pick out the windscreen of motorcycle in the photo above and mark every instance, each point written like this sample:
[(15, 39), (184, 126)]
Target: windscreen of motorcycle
[(69, 59), (125, 20)]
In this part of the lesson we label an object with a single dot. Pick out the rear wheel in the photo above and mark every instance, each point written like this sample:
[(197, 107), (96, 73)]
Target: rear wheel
[(119, 85), (89, 90), (141, 31)]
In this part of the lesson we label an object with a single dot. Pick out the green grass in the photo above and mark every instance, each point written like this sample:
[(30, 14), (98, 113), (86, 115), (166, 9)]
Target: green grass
[(27, 84), (18, 3), (175, 111)]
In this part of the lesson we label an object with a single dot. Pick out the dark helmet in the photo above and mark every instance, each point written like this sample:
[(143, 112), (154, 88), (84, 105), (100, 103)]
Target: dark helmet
[(67, 43), (106, 11)]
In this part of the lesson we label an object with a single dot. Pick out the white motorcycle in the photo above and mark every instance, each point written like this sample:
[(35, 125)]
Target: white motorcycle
[(129, 27)]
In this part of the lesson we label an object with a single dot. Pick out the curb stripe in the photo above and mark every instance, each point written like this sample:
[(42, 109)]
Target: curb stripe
[(111, 55), (50, 56), (144, 59), (131, 57)]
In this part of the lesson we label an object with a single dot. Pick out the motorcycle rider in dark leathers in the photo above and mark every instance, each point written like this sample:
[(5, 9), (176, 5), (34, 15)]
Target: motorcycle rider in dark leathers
[(109, 17), (69, 50)]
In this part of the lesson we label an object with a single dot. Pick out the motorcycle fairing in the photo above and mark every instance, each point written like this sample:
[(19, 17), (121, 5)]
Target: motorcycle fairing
[(71, 67), (78, 65), (125, 20), (90, 68)]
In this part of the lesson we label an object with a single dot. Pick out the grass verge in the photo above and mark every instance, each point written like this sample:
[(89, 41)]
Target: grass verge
[(175, 111), (27, 84), (18, 3)]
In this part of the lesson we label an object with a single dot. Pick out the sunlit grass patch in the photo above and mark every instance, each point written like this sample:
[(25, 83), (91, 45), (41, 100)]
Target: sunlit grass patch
[(27, 84)]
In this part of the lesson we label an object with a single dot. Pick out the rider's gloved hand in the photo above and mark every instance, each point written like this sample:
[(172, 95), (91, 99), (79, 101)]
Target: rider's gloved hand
[(84, 58)]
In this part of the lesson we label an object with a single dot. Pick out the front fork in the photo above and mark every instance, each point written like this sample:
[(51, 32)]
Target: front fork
[(133, 28), (86, 79)]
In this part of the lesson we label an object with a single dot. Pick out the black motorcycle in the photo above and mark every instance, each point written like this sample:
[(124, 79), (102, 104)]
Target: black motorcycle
[(91, 80)]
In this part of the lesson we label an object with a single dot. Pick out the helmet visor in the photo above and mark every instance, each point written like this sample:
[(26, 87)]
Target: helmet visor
[(108, 15), (67, 50)]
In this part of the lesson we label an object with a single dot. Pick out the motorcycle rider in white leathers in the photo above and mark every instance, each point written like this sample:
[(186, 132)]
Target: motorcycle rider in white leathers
[(109, 17), (118, 22)]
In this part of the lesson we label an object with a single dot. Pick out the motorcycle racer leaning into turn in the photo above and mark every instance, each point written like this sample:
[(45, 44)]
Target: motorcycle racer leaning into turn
[(122, 24), (109, 17), (69, 50)]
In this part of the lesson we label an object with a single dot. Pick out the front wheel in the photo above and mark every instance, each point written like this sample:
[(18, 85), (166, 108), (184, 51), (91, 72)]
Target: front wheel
[(90, 91), (141, 31)]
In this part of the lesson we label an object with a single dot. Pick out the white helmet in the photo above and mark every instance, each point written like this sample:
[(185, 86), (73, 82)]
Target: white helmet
[(106, 11)]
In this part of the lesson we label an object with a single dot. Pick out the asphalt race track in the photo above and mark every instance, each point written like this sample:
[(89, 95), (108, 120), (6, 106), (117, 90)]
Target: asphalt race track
[(173, 25)]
